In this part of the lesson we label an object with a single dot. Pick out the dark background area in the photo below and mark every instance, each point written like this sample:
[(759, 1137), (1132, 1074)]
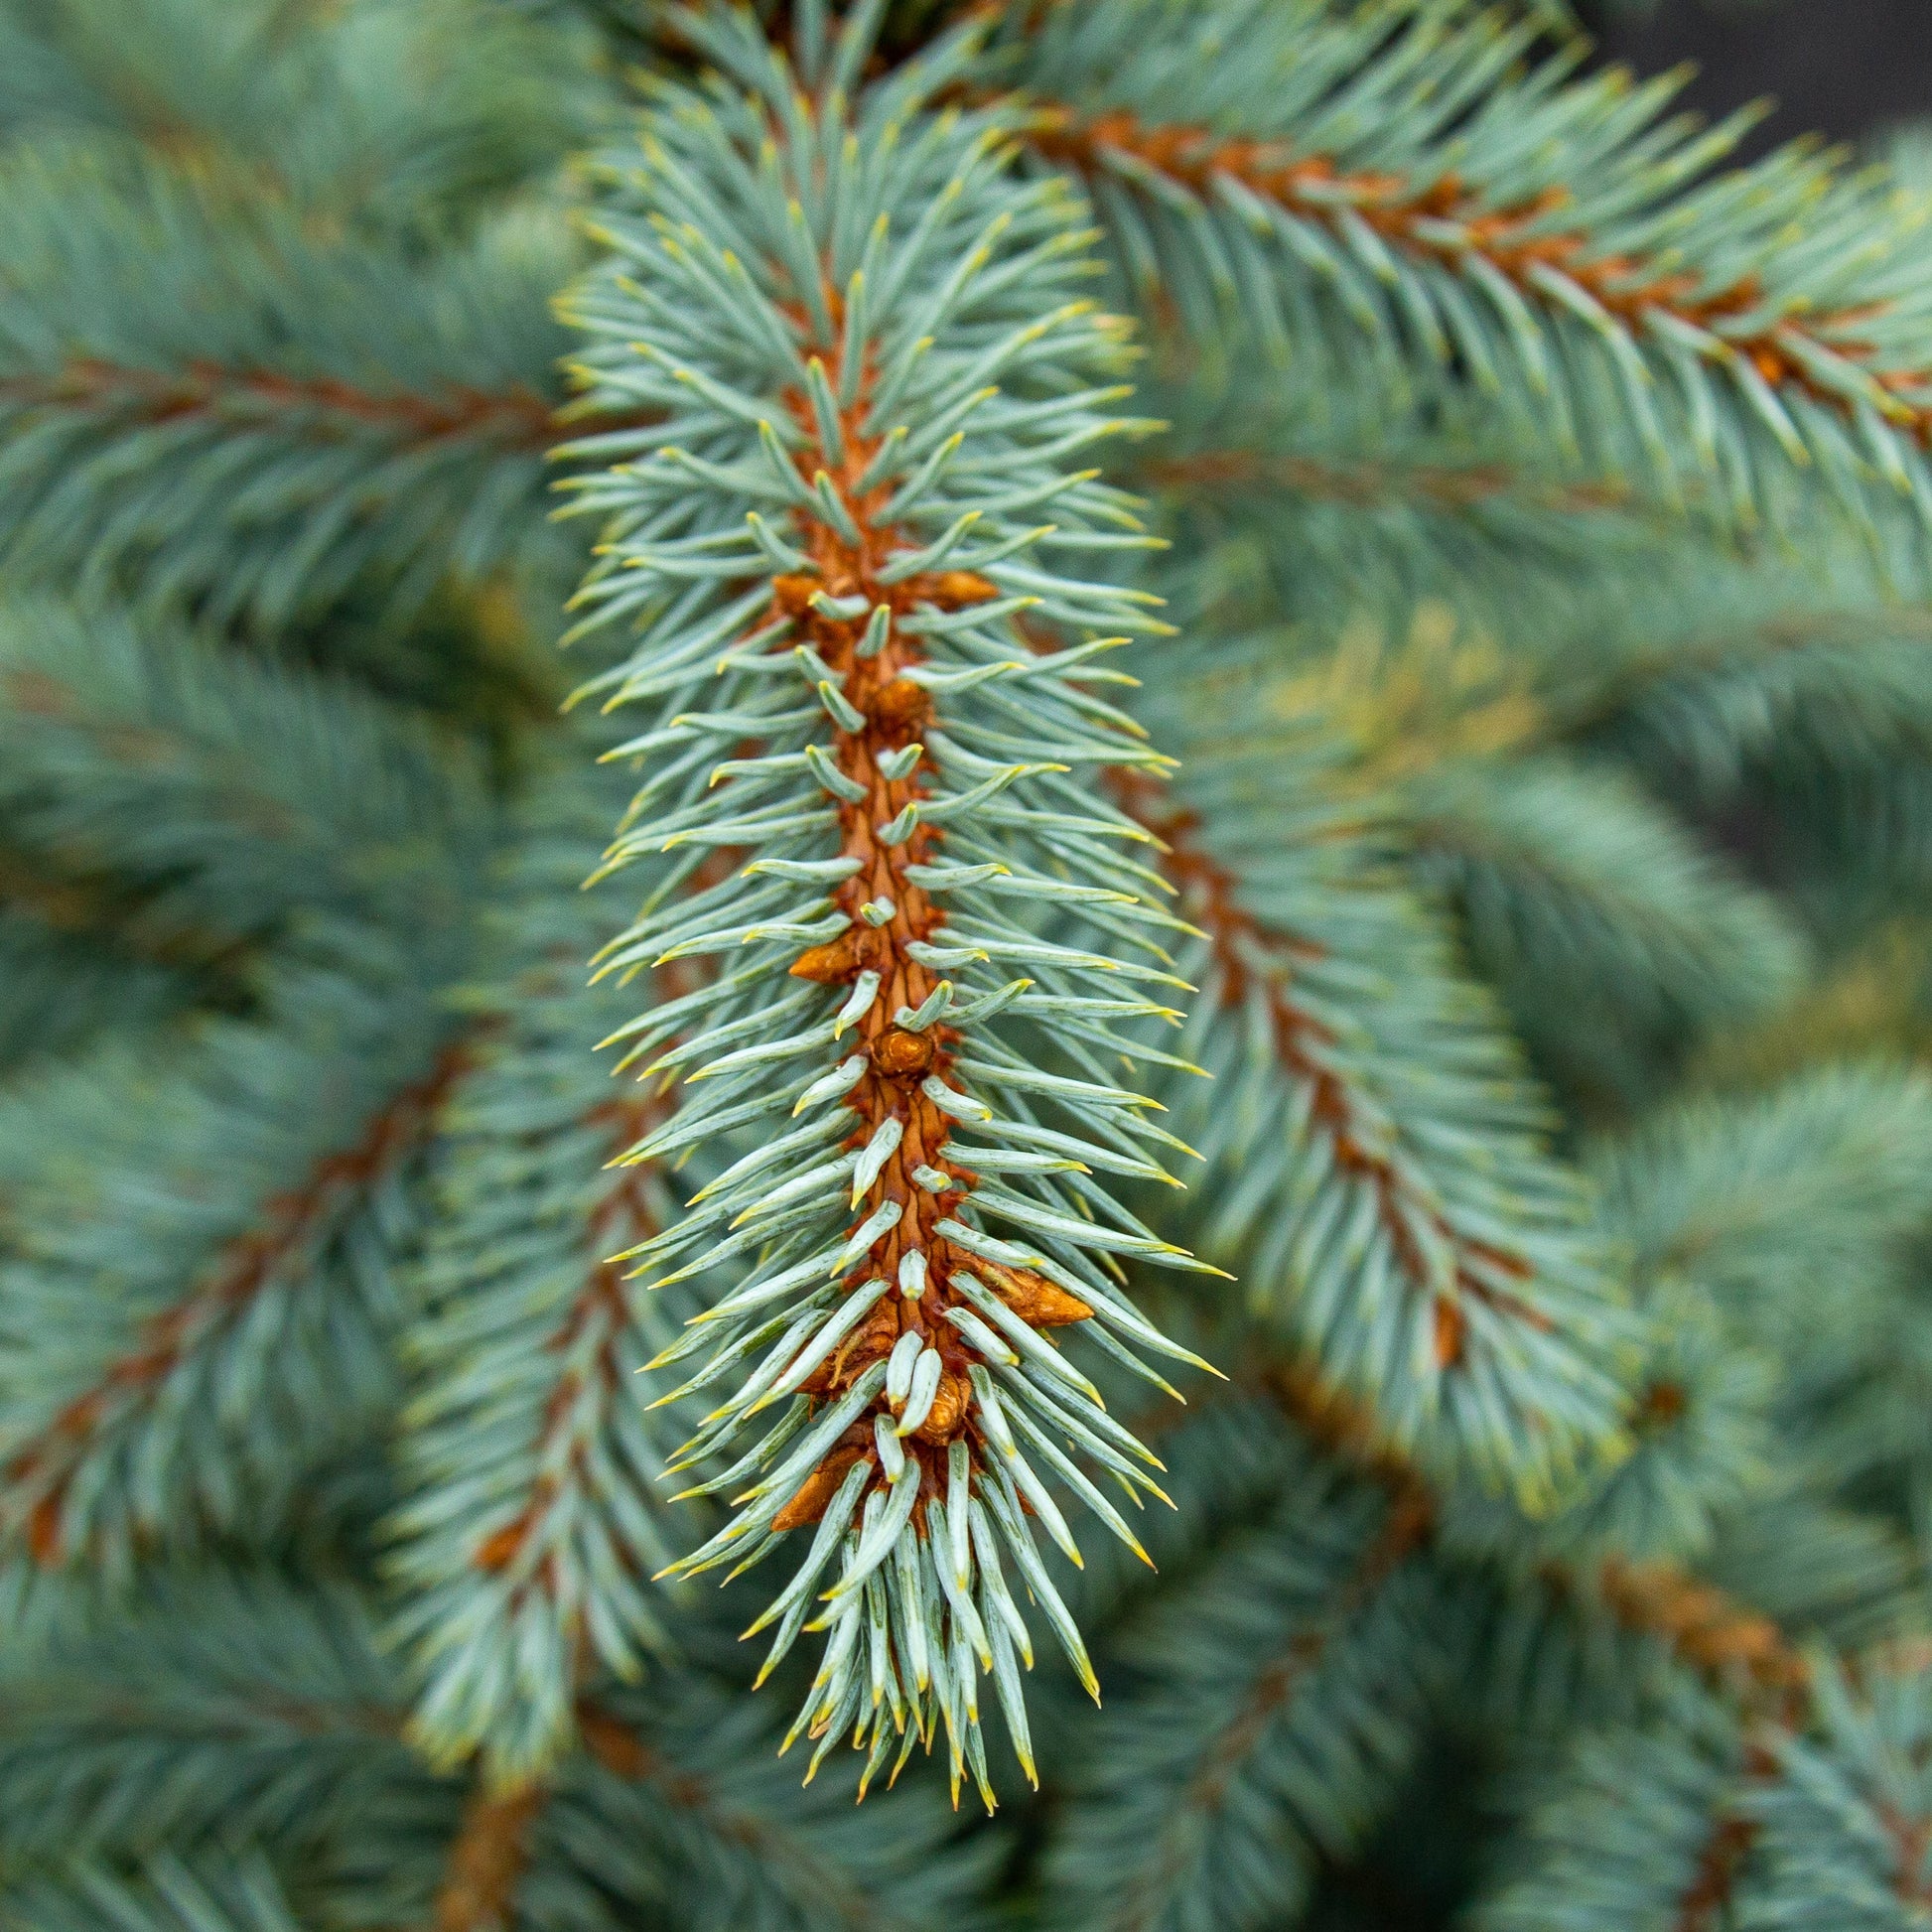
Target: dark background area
[(1841, 67)]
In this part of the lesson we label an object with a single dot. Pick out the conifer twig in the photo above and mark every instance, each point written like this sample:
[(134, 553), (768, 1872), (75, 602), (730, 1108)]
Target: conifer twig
[(596, 1315), (34, 1481), (515, 417), (1720, 1859), (1209, 896), (1715, 1637), (1524, 242), (527, 1343), (1367, 482), (1406, 1528), (826, 542)]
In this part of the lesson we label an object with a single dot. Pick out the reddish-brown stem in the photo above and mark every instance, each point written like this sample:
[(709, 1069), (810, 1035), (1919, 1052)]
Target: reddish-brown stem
[(1733, 1832), (1736, 1649), (513, 417), (34, 1482), (600, 1310), (1714, 1878), (1515, 240), (1717, 1637), (487, 1859), (1368, 482), (1739, 1651), (890, 915)]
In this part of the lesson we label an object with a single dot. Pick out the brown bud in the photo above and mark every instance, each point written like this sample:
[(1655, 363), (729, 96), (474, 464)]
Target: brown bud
[(874, 1338), (498, 1551), (948, 1409), (814, 1495), (793, 595), (818, 1381), (951, 589), (901, 1055), (1034, 1298), (1661, 1402), (901, 706), (838, 959)]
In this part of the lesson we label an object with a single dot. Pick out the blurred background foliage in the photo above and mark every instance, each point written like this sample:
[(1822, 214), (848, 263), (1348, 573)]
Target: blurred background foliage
[(1592, 822)]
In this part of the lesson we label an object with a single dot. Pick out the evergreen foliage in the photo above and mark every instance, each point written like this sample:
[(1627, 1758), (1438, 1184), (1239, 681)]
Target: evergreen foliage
[(1252, 743)]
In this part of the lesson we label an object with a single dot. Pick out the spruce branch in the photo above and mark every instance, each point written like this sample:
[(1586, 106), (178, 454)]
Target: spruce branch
[(1513, 636), (512, 419), (405, 117), (1823, 1822), (1561, 237), (1847, 1826), (1615, 934), (1864, 1002), (628, 1753), (1803, 692), (1756, 686), (1328, 503), (117, 1427), (1703, 1626), (61, 985), (1675, 1818), (868, 378), (1280, 1692), (207, 1709), (1701, 1905), (531, 1517), (1757, 1199), (196, 407), (91, 909), (1422, 1284), (160, 788), (1371, 482), (169, 1894), (1252, 1496), (1710, 1632), (1297, 1038), (1667, 1837)]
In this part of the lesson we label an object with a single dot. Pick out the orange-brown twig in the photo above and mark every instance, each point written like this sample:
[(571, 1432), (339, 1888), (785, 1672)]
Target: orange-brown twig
[(513, 418), (592, 1324), (1367, 482), (1248, 957), (890, 913), (486, 1859), (516, 417)]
